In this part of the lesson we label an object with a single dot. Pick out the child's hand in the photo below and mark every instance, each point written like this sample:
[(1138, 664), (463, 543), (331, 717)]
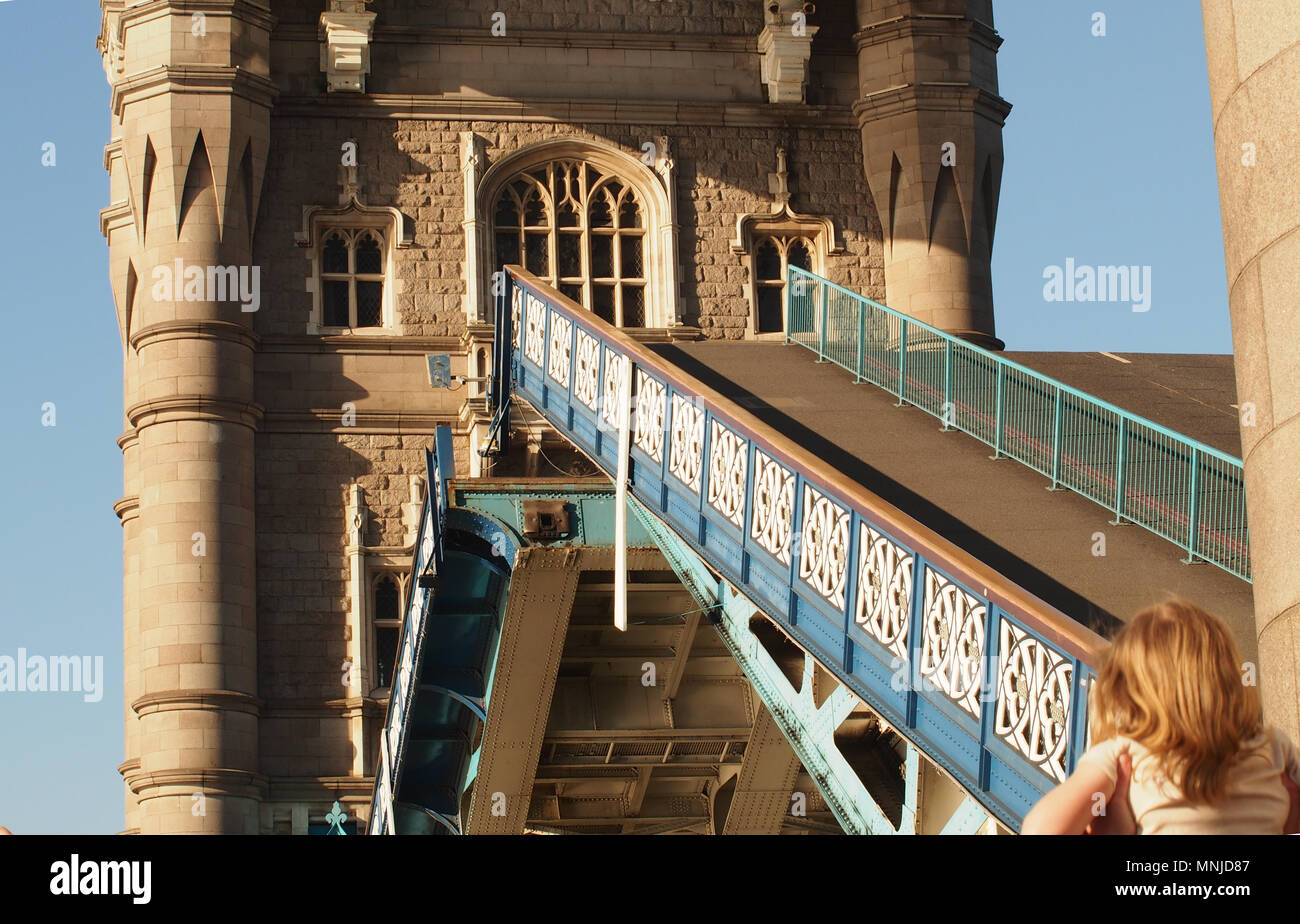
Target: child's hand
[(1118, 817)]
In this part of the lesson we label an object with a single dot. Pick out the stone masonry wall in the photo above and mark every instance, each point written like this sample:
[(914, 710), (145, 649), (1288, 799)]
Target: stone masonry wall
[(304, 464), (414, 165)]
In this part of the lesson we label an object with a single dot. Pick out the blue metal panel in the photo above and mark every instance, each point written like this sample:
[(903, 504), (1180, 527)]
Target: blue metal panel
[(950, 746), (1014, 795), (722, 548), (878, 679)]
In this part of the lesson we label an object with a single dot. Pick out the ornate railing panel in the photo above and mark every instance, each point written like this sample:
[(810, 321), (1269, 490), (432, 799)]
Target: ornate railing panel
[(985, 678), (1179, 488)]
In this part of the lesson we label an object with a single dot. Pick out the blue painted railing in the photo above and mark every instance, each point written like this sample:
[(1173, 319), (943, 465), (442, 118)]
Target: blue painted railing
[(1183, 490), (988, 680)]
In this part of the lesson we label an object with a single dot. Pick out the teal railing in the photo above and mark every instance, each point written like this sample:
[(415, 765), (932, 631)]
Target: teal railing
[(1179, 488)]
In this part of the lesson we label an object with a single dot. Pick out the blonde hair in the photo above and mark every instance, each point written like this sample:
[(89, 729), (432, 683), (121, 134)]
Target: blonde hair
[(1172, 681)]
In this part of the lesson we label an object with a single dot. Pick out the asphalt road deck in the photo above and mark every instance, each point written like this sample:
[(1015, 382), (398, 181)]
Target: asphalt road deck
[(1000, 511)]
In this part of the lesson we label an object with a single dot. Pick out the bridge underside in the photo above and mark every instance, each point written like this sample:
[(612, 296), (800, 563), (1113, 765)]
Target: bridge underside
[(661, 729), (644, 728)]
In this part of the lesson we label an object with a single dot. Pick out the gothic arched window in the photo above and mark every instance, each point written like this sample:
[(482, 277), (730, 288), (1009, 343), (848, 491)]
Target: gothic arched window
[(581, 230), (387, 618), (352, 273), (774, 254)]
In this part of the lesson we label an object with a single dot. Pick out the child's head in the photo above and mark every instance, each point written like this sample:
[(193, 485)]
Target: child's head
[(1172, 681)]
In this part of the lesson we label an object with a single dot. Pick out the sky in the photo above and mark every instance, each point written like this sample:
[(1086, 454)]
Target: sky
[(1109, 160)]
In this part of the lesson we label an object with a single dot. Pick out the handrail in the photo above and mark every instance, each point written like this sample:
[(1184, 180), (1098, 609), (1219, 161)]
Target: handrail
[(1179, 488), (1080, 641), (1020, 700)]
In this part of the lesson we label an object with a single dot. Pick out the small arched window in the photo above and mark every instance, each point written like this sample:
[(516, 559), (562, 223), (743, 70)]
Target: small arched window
[(387, 620), (774, 254), (582, 231)]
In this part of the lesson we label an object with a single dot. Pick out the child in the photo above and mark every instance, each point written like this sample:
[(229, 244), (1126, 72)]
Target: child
[(1170, 693)]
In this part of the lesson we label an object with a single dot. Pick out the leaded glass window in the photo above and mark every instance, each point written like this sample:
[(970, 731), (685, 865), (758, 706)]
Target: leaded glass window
[(352, 274), (387, 619), (773, 255), (580, 230)]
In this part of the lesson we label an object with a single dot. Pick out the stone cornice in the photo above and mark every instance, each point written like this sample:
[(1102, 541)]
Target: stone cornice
[(443, 107), (114, 216), (474, 412), (927, 24), (184, 700), (346, 789), (195, 330), (931, 96), (368, 422), (193, 78), (358, 345), (127, 508), (250, 11), (347, 707), (545, 38), (664, 334), (212, 781), (194, 407)]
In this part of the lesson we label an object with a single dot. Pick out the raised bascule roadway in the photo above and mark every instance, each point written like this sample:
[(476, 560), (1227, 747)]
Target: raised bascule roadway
[(998, 510), (918, 620)]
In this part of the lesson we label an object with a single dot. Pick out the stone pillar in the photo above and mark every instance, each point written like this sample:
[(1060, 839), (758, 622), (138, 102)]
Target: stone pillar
[(931, 122), (191, 101), (1253, 55)]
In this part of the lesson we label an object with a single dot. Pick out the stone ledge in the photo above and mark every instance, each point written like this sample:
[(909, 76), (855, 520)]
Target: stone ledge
[(210, 700)]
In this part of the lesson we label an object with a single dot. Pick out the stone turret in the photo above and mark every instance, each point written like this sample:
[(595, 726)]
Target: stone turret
[(931, 122), (190, 125), (1253, 56)]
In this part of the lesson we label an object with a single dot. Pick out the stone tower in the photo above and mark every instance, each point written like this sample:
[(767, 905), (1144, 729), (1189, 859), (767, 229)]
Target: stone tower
[(310, 197), (931, 122), (190, 109), (1253, 55)]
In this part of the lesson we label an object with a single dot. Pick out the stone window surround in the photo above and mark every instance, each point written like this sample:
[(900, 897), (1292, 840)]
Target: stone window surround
[(389, 223), (625, 225), (751, 229), (655, 190)]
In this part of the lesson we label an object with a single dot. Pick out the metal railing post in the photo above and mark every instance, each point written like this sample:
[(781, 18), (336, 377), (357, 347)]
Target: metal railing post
[(826, 306), (861, 365), (947, 387), (791, 282), (1194, 511), (1119, 472), (997, 416), (1057, 438), (902, 361)]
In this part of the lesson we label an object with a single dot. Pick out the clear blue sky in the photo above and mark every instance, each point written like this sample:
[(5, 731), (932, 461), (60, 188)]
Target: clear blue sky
[(1109, 160)]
